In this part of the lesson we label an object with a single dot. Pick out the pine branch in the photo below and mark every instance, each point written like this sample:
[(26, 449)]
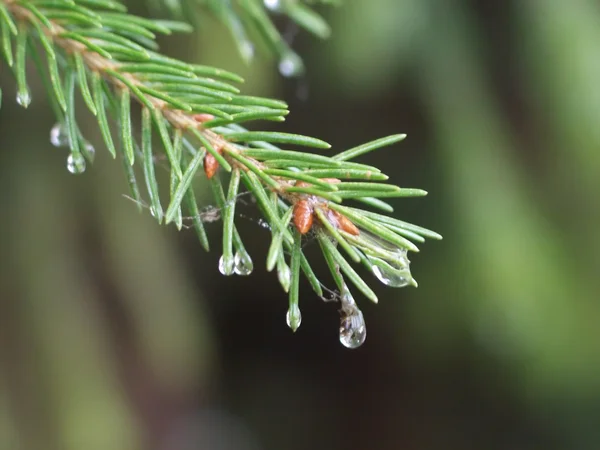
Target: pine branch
[(108, 56)]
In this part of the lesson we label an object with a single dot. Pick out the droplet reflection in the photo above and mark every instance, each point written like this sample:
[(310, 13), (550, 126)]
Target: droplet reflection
[(353, 330), (24, 98), (293, 317), (395, 273), (291, 65), (273, 5), (226, 265), (242, 264), (59, 136), (284, 275), (76, 163)]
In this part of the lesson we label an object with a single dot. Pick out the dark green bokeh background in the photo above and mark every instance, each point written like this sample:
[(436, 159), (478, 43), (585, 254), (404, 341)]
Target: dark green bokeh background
[(116, 333)]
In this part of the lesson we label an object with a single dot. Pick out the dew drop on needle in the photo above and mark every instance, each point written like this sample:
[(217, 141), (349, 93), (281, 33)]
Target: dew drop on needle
[(353, 330), (24, 99), (76, 163), (226, 265), (284, 275), (272, 5), (59, 136), (242, 264), (90, 151), (395, 273), (293, 317), (393, 270), (247, 50), (290, 65)]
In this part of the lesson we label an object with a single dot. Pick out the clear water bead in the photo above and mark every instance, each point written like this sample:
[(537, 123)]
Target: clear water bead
[(24, 99), (264, 224), (394, 273), (284, 275), (90, 151), (76, 163), (273, 5), (226, 265), (59, 136), (247, 50), (293, 318), (290, 65), (353, 330), (347, 301), (242, 264)]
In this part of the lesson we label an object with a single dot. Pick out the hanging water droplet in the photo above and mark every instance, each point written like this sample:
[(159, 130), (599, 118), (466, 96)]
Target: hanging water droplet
[(284, 275), (242, 264), (76, 163), (59, 136), (393, 278), (394, 273), (273, 5), (89, 151), (247, 50), (226, 265), (347, 301), (24, 98), (290, 65), (353, 330), (293, 317)]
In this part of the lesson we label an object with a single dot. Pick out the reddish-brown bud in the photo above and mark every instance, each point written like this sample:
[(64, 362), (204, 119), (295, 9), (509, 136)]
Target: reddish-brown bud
[(211, 165), (345, 224), (303, 216), (201, 118)]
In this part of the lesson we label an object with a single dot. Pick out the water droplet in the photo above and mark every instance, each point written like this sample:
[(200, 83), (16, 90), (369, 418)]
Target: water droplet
[(89, 151), (346, 299), (263, 223), (24, 99), (247, 50), (226, 265), (380, 243), (273, 5), (394, 273), (290, 65), (242, 264), (353, 330), (284, 274), (293, 317), (76, 163), (59, 136)]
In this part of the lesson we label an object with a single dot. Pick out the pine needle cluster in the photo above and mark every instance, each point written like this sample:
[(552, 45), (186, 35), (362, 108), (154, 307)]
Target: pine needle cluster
[(194, 116)]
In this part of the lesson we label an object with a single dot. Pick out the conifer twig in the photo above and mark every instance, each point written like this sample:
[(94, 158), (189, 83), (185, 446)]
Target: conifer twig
[(111, 57)]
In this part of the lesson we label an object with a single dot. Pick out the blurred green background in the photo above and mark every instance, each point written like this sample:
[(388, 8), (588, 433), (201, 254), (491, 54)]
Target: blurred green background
[(116, 333)]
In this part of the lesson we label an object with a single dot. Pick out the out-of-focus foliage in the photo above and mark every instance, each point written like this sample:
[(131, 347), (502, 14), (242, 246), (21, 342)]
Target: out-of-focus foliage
[(497, 348), (252, 23)]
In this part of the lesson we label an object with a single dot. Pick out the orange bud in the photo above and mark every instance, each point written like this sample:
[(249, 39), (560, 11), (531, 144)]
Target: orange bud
[(345, 224), (303, 216), (211, 165), (201, 118)]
